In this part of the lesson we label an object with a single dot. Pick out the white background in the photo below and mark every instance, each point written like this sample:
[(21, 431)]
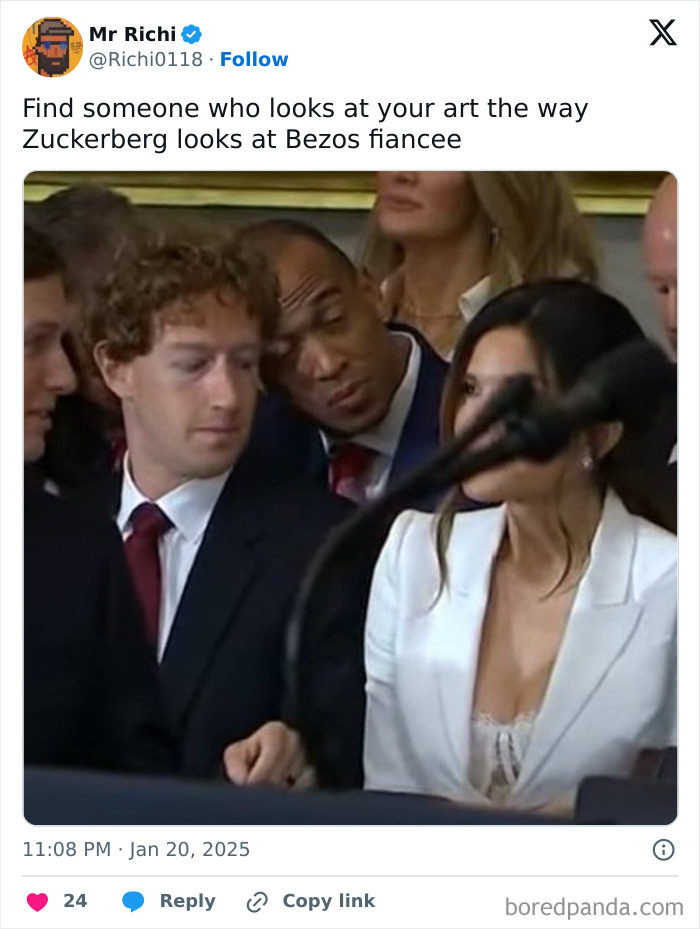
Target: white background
[(642, 115)]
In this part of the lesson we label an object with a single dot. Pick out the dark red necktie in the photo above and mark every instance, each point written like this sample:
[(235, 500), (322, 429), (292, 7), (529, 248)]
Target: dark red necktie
[(348, 465), (148, 523)]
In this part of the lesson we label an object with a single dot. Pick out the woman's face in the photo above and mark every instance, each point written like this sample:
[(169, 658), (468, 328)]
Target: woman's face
[(498, 355), (424, 204)]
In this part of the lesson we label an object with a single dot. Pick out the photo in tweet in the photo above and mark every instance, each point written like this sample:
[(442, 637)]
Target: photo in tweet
[(371, 487)]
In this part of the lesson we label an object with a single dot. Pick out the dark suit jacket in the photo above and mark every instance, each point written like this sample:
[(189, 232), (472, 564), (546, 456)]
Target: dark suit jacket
[(278, 426), (663, 436), (223, 668), (78, 451), (650, 479), (90, 682)]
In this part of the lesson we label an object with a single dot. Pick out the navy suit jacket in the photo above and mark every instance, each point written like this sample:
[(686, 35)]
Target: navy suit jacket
[(652, 477), (91, 696), (222, 672), (287, 445)]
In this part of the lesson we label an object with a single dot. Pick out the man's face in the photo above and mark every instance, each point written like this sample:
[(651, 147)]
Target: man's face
[(53, 54), (47, 371), (332, 356), (189, 403), (660, 254)]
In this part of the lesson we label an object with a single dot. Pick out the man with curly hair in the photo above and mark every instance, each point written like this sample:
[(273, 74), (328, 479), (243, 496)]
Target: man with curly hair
[(215, 555)]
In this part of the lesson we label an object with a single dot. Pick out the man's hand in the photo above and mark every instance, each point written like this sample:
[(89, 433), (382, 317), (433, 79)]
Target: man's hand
[(272, 755)]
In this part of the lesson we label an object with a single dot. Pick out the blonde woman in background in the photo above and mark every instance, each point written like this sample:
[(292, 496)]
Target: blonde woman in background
[(444, 242)]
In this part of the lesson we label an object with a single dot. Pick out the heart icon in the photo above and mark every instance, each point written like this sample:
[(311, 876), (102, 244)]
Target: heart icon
[(37, 901)]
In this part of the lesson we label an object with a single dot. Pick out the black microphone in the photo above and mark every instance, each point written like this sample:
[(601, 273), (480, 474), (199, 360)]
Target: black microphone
[(363, 532), (624, 384)]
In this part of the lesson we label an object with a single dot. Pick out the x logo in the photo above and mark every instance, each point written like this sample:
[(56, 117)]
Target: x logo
[(663, 31)]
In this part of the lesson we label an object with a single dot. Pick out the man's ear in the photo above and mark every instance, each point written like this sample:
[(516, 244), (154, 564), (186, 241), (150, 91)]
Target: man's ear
[(115, 374), (603, 438)]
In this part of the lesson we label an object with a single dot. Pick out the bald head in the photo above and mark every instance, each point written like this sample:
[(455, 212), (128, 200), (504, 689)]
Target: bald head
[(660, 252)]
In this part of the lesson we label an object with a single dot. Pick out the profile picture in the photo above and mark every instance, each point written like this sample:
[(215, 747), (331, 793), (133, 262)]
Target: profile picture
[(52, 46)]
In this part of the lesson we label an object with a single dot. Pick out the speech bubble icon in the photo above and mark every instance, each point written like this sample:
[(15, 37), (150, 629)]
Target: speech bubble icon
[(133, 900)]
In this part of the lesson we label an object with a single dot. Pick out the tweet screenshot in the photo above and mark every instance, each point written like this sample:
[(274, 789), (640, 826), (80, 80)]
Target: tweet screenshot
[(339, 577)]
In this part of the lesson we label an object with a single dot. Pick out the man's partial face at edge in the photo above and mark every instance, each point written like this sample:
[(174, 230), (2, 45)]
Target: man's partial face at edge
[(332, 357), (47, 370), (189, 403), (660, 254)]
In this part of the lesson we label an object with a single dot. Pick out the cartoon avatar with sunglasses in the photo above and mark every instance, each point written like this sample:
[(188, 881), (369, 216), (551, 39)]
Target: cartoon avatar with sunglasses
[(52, 47)]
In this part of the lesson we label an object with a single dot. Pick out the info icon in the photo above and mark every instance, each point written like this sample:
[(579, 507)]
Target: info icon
[(52, 46)]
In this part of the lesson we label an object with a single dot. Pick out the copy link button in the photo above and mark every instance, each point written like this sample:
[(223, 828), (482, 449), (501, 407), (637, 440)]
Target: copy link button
[(257, 902)]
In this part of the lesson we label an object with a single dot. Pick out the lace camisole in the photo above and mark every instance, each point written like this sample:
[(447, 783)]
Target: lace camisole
[(497, 750)]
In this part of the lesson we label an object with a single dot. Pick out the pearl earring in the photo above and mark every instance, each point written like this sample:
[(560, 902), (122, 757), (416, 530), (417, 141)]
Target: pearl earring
[(588, 462)]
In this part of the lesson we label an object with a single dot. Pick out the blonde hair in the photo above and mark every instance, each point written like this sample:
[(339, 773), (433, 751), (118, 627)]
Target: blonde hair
[(537, 231)]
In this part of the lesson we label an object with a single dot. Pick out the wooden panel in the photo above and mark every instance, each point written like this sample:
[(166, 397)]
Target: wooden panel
[(597, 192)]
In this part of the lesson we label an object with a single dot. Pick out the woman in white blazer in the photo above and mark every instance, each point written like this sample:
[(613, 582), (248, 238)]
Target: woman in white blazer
[(514, 651)]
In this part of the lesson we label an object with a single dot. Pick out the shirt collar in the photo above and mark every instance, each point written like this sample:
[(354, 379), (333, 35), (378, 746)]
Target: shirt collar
[(472, 300), (385, 436), (188, 507)]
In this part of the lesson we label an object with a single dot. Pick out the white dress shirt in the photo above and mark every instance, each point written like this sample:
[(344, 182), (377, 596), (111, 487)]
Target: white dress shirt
[(386, 435), (472, 300), (189, 508)]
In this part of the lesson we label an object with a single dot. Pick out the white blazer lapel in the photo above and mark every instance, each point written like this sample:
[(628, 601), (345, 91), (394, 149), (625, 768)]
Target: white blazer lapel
[(602, 621), (440, 656)]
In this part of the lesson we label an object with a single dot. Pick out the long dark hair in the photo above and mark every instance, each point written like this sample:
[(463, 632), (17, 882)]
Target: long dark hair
[(40, 257), (570, 324)]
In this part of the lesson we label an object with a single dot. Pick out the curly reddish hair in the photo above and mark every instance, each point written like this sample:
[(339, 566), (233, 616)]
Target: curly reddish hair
[(155, 280)]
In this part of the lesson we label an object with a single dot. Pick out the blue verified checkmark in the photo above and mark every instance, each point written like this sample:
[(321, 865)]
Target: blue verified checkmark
[(191, 34)]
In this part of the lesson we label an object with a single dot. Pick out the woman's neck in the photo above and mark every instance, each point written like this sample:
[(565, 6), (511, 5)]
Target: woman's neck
[(435, 274), (551, 543)]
